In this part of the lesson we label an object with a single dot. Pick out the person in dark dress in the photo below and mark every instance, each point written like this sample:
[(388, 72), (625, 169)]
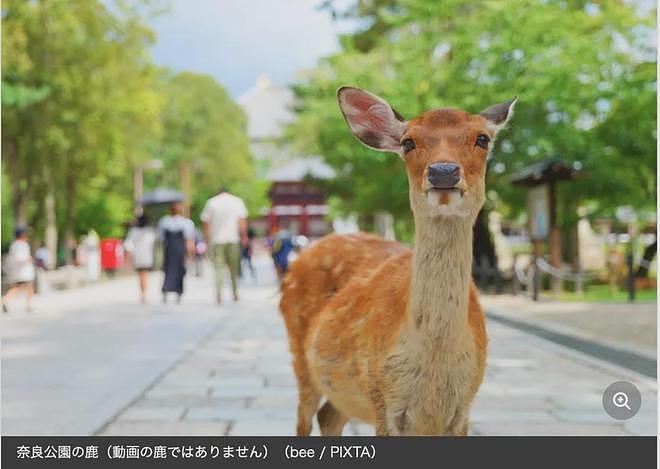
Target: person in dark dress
[(177, 234), (246, 254)]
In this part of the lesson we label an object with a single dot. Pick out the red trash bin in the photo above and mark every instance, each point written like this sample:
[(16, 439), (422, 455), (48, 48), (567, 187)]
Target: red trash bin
[(112, 254)]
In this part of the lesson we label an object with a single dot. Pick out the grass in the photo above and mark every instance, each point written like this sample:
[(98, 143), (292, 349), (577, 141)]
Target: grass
[(601, 293)]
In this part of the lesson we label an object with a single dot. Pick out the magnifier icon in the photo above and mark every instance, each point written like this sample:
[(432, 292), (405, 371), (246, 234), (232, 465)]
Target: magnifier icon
[(620, 399)]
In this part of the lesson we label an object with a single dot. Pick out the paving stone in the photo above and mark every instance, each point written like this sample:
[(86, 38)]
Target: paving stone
[(174, 392), (178, 400), (496, 402), (263, 428), (180, 428), (161, 413), (236, 413), (287, 401), (543, 429), (215, 382), (358, 428), (253, 391), (645, 425), (508, 415), (280, 379)]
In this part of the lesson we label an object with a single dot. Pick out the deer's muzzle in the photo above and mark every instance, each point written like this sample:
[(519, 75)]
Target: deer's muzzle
[(443, 175)]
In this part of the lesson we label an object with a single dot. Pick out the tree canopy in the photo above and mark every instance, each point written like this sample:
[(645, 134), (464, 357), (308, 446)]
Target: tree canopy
[(83, 106), (584, 74)]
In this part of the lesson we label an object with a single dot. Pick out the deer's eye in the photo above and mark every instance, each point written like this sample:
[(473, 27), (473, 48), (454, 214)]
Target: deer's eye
[(408, 144), (482, 141)]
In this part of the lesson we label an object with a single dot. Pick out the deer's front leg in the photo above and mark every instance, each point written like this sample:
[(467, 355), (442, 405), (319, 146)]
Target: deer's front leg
[(390, 421), (381, 416), (383, 426), (460, 423)]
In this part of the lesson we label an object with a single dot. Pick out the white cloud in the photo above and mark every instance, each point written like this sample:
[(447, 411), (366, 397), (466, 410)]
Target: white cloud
[(235, 41)]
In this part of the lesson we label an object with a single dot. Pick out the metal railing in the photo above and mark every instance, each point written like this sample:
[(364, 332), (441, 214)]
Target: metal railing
[(529, 276)]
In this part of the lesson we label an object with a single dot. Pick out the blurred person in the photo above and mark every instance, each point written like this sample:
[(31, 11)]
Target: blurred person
[(91, 247), (177, 234), (80, 254), (20, 269), (616, 268), (281, 247), (246, 253), (200, 250), (42, 262), (139, 244), (42, 257), (224, 220)]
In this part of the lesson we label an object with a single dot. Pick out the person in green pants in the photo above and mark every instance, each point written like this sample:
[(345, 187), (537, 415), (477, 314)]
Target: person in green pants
[(224, 221)]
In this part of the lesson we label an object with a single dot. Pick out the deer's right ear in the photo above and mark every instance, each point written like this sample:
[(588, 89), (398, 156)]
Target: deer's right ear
[(371, 119)]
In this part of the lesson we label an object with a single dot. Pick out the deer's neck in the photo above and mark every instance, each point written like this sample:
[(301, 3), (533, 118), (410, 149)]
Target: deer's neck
[(441, 274)]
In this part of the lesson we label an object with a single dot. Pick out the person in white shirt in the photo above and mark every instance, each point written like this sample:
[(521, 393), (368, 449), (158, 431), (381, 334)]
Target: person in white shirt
[(20, 269), (42, 257), (177, 234), (140, 246), (225, 228)]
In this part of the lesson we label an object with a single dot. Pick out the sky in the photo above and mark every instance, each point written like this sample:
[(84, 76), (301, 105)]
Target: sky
[(235, 41)]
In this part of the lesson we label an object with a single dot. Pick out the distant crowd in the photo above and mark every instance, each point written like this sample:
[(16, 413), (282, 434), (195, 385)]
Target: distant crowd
[(225, 237)]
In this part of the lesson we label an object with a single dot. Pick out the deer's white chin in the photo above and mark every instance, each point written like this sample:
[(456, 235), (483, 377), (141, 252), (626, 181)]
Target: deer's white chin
[(446, 202)]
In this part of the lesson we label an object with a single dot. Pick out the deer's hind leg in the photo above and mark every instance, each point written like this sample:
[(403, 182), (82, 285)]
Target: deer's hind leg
[(331, 421), (308, 399)]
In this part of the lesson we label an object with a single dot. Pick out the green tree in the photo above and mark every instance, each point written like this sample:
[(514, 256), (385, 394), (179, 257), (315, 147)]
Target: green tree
[(80, 107), (205, 129), (585, 74)]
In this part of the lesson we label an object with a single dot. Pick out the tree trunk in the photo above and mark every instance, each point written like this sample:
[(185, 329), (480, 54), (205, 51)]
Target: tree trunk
[(69, 212), (18, 196), (50, 236), (483, 247), (384, 225)]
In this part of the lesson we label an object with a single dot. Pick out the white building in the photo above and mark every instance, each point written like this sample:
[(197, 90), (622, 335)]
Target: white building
[(269, 109)]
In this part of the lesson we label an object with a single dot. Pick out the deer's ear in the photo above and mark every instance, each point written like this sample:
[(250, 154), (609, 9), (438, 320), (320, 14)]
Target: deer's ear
[(498, 115), (371, 119)]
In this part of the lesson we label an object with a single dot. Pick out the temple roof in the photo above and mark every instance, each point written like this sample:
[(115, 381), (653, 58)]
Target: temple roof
[(552, 169)]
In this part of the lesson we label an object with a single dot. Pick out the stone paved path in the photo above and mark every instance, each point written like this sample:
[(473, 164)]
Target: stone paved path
[(623, 325), (239, 382), (92, 361)]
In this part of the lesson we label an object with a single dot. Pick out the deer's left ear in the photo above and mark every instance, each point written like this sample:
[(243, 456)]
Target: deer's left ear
[(498, 115)]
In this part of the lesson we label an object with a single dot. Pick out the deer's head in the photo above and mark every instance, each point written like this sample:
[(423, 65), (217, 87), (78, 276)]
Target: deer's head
[(445, 150)]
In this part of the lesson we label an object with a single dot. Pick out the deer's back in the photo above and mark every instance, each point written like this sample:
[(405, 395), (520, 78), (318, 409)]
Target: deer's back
[(323, 270)]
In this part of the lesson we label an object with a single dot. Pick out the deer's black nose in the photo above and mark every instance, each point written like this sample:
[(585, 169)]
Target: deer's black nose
[(444, 175)]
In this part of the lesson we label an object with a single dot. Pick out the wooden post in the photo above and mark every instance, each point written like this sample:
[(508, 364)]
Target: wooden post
[(555, 245), (272, 220), (579, 282), (304, 221), (515, 287), (631, 277), (536, 279)]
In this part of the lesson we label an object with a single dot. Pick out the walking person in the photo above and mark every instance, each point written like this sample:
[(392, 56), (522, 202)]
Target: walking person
[(200, 250), (225, 228), (177, 234), (42, 258), (20, 269), (139, 245), (246, 253), (281, 247)]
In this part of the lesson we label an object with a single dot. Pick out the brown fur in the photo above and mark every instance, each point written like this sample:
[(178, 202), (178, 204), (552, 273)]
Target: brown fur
[(390, 335)]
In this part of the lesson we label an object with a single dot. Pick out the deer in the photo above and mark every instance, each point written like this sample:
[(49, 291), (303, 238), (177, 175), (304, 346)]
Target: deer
[(390, 335)]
